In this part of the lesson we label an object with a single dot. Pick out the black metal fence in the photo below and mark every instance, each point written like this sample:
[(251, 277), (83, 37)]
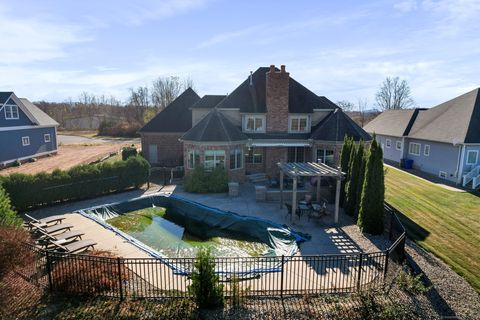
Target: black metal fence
[(154, 278)]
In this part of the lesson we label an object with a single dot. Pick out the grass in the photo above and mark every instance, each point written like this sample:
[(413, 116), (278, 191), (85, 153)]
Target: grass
[(442, 221)]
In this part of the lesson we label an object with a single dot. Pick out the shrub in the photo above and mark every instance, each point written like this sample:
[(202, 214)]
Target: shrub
[(412, 284), (239, 293), (119, 129), (352, 188), (370, 217), (201, 181), (8, 216), (13, 249), (205, 288), (79, 182), (345, 156), (82, 275), (128, 152)]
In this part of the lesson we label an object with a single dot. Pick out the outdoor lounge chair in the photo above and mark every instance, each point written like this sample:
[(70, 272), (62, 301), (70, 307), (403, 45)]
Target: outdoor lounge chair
[(74, 247), (65, 237), (52, 229), (45, 221)]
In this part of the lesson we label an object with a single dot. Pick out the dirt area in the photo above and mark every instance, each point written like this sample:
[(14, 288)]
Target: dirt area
[(68, 156)]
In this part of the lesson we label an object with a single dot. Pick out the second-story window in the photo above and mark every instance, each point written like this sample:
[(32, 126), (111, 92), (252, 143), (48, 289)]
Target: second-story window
[(299, 124), (254, 123), (11, 112)]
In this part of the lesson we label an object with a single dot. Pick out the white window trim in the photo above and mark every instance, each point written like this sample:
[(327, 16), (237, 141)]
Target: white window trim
[(254, 116), (388, 143), (5, 111), (425, 148), (410, 147), (27, 139), (47, 137), (239, 150), (214, 152), (291, 117), (476, 157), (189, 153), (396, 145)]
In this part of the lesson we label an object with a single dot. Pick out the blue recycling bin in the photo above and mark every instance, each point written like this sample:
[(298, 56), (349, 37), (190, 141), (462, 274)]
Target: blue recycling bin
[(408, 163)]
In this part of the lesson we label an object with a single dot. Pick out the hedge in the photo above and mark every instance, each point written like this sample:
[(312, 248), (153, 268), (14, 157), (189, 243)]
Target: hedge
[(203, 181), (80, 182), (128, 152)]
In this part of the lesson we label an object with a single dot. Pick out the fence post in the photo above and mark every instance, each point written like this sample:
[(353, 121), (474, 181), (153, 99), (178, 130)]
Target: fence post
[(392, 216), (385, 270), (120, 278), (281, 279), (359, 278), (49, 271)]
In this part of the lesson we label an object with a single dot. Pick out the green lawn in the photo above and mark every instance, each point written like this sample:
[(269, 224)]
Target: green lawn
[(444, 222)]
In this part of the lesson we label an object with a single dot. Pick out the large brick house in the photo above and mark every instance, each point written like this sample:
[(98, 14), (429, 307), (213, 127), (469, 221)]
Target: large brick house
[(267, 119)]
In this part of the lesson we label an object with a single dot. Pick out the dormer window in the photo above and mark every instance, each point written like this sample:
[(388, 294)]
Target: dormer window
[(299, 124), (254, 123), (11, 112)]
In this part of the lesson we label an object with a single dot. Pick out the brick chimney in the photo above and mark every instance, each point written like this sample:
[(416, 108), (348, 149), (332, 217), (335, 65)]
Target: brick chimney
[(277, 99)]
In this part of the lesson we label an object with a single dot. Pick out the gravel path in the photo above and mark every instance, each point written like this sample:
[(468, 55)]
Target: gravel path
[(451, 295)]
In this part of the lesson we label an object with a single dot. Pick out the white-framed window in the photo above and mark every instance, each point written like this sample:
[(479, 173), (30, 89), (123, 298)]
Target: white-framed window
[(236, 159), (254, 123), (46, 137), (254, 156), (326, 156), (214, 159), (11, 112), (25, 141), (472, 156), (442, 174), (193, 158), (388, 143), (296, 154), (298, 124), (414, 148), (426, 150), (398, 145)]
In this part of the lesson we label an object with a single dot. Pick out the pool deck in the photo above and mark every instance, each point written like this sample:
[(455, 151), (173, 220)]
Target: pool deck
[(326, 238)]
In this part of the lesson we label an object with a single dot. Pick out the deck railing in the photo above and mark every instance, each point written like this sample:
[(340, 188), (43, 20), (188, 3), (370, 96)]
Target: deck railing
[(153, 278)]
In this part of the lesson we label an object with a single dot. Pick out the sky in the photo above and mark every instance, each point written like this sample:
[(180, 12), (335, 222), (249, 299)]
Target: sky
[(55, 50)]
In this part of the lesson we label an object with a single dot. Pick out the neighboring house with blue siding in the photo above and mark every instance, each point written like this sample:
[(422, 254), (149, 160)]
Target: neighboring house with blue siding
[(443, 141), (25, 131)]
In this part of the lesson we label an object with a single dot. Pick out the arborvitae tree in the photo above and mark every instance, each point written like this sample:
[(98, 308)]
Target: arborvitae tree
[(344, 165), (356, 163), (361, 175), (8, 216), (370, 217)]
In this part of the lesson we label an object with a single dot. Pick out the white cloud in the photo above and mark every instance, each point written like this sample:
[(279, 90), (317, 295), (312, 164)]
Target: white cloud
[(30, 39), (406, 6)]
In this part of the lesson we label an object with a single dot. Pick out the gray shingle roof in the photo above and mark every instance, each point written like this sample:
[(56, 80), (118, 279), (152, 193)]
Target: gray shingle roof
[(454, 121), (251, 98), (336, 126), (214, 127), (208, 101), (176, 117), (391, 123), (41, 118)]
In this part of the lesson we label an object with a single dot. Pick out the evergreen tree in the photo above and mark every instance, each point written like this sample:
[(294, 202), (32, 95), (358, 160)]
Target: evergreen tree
[(352, 188), (370, 217), (344, 165), (361, 176), (8, 216)]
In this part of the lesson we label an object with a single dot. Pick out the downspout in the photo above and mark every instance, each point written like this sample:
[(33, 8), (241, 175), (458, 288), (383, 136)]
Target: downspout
[(461, 154)]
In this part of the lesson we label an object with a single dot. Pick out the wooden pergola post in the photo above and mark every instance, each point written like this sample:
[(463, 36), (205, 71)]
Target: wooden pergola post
[(281, 189), (337, 198), (294, 197)]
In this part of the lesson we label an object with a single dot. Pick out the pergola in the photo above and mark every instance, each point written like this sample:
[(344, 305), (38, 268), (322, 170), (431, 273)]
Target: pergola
[(309, 169)]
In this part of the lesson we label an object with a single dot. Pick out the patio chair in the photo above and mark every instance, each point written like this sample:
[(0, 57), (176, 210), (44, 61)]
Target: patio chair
[(65, 237), (318, 211), (74, 247), (52, 229), (45, 221), (289, 209)]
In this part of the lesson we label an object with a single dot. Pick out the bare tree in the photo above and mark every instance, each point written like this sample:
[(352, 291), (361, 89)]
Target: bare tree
[(394, 94), (346, 105), (167, 89), (362, 107)]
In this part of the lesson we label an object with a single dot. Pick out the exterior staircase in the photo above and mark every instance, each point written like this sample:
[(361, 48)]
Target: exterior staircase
[(473, 176), (258, 178)]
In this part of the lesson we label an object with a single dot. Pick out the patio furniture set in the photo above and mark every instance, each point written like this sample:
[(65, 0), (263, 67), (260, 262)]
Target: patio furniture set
[(51, 233), (306, 207)]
